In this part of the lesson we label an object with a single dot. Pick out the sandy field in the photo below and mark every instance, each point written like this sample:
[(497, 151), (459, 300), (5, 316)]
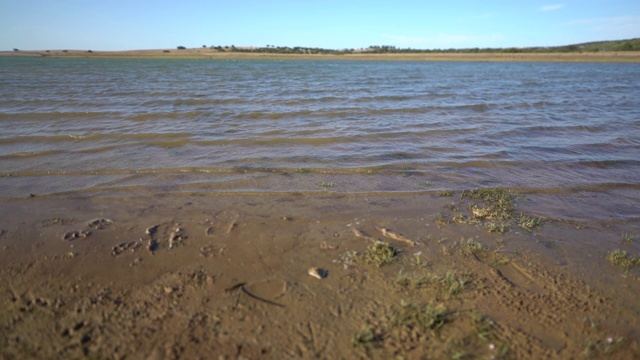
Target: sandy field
[(311, 276), (201, 53)]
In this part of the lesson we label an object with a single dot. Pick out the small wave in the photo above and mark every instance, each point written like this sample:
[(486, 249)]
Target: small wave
[(381, 98), (358, 112), (30, 154), (96, 150), (170, 102), (309, 100), (260, 115), (541, 130), (626, 140), (550, 128), (169, 115), (91, 137), (58, 115), (311, 141), (604, 164), (526, 105), (170, 143)]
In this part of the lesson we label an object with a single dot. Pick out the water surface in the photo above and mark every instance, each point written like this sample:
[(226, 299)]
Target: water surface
[(109, 126)]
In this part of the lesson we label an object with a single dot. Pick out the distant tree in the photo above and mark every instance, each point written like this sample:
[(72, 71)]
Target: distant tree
[(181, 48), (204, 46), (16, 50), (511, 50), (625, 46)]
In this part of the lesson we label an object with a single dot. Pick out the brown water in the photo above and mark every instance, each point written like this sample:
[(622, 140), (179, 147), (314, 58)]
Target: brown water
[(119, 127)]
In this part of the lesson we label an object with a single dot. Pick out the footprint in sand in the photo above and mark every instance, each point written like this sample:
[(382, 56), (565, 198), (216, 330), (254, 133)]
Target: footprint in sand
[(170, 235), (99, 223), (222, 223), (94, 224), (74, 234), (211, 250), (122, 247)]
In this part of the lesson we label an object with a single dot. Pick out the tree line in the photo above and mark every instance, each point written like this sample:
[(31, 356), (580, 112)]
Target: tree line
[(616, 45)]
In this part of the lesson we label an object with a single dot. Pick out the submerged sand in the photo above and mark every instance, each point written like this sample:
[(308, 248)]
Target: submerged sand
[(202, 53), (226, 276)]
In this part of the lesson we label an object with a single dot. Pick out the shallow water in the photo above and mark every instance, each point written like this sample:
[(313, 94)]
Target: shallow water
[(117, 126)]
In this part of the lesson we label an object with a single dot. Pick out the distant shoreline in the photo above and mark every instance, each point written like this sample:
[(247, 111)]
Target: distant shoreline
[(621, 56)]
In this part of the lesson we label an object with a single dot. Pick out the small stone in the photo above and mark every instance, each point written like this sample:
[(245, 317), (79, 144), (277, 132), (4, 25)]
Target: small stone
[(152, 230), (318, 273)]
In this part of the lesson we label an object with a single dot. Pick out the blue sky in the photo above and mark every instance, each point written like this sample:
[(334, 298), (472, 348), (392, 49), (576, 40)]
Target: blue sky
[(154, 24)]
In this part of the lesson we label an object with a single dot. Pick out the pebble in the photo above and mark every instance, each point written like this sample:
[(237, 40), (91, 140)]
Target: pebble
[(318, 273)]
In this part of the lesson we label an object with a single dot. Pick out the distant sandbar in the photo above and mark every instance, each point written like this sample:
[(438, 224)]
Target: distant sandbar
[(206, 53)]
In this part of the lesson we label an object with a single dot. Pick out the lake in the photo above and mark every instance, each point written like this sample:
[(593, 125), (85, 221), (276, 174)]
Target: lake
[(118, 127)]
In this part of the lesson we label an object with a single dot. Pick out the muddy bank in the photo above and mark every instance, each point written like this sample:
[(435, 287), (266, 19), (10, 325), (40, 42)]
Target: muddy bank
[(191, 276)]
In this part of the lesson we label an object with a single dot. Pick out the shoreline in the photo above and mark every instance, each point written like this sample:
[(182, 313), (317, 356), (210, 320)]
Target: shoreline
[(174, 277), (626, 57)]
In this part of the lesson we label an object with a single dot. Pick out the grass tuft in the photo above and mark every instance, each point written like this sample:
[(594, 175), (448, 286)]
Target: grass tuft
[(441, 219), (528, 222), (326, 185), (419, 317), (412, 281), (627, 238), (454, 283), (497, 227), (380, 253), (622, 259), (459, 219), (366, 338), (498, 203), (474, 247), (451, 207)]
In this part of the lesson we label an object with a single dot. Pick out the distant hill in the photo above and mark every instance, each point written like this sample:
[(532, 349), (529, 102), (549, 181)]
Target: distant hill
[(597, 46), (613, 45)]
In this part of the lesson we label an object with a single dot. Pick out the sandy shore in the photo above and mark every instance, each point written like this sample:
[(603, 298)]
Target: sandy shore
[(169, 277), (214, 54)]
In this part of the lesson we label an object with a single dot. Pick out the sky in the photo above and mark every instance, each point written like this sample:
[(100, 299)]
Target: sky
[(332, 24)]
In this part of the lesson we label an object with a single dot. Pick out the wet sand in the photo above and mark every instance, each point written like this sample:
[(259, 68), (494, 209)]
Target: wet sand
[(227, 276), (200, 53)]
